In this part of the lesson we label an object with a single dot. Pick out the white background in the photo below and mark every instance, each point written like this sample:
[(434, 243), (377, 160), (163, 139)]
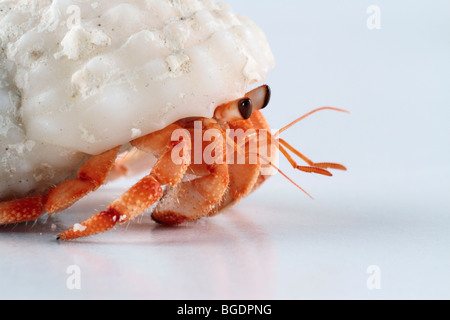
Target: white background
[(391, 209)]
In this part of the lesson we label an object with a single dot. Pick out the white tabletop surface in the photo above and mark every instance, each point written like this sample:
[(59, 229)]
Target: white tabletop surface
[(389, 211)]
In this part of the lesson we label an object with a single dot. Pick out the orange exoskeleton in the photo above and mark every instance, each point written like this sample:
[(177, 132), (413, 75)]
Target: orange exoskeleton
[(87, 89), (217, 184)]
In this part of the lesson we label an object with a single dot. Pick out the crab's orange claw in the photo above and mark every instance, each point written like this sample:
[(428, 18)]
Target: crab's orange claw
[(260, 123), (189, 201), (26, 209), (194, 199), (242, 177)]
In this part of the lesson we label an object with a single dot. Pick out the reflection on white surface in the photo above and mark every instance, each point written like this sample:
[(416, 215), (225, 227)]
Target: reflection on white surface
[(140, 259), (261, 249)]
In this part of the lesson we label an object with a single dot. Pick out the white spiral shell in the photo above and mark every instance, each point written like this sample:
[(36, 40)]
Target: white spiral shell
[(80, 77)]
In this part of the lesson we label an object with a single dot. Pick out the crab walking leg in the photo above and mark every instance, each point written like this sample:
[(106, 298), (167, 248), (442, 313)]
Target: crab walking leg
[(139, 197), (134, 201), (22, 210), (90, 177)]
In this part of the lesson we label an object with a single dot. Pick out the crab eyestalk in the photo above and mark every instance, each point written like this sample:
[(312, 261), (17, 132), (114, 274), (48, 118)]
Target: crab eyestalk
[(243, 109), (236, 110)]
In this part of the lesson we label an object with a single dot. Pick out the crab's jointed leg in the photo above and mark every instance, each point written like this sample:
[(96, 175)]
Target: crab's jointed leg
[(144, 193), (22, 210), (90, 178)]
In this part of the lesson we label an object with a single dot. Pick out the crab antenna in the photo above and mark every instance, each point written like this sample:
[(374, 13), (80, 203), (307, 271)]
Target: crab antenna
[(307, 115)]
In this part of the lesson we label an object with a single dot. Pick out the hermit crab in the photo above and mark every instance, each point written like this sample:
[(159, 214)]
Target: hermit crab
[(89, 88)]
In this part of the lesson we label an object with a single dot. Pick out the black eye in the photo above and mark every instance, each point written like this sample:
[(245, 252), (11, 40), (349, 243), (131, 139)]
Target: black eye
[(246, 108)]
